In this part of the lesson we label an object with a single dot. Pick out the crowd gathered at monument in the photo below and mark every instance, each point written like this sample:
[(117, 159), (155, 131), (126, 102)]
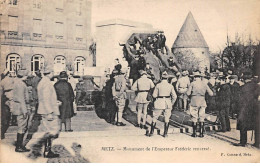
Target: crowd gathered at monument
[(24, 98)]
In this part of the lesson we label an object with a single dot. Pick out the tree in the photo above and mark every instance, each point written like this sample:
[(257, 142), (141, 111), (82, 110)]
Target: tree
[(187, 60)]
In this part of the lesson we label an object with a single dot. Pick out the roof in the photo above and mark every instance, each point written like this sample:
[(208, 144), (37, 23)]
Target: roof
[(190, 35)]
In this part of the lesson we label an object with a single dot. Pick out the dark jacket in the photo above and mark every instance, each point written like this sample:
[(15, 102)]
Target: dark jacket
[(223, 96), (235, 92), (66, 96), (247, 106)]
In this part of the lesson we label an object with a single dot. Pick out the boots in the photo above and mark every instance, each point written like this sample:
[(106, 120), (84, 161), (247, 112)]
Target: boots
[(201, 129), (166, 127), (19, 144), (47, 150), (194, 127), (152, 129)]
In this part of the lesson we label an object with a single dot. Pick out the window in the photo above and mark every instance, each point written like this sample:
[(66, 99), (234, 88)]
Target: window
[(59, 30), (12, 26), (37, 4), (59, 64), (79, 65), (37, 63), (37, 29), (13, 2), (79, 33), (13, 63)]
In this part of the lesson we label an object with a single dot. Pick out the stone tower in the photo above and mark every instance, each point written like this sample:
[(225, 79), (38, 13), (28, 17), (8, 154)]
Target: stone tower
[(190, 47)]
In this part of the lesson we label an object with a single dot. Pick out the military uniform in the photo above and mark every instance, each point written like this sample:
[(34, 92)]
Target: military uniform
[(182, 86), (49, 111), (197, 90), (223, 104), (6, 92), (165, 96), (119, 95), (143, 86)]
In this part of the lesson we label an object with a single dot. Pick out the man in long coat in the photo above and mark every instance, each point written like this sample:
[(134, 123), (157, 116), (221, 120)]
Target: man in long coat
[(65, 94), (247, 109), (223, 103)]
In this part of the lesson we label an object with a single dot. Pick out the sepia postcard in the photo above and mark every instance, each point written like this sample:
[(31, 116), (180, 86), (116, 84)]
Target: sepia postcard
[(130, 81)]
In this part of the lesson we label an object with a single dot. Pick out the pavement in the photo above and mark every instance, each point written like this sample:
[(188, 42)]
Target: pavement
[(96, 141)]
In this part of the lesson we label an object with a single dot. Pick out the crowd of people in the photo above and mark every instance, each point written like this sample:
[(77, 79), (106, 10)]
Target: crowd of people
[(197, 94), (26, 98)]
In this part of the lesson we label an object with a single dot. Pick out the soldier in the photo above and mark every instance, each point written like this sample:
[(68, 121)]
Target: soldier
[(165, 96), (6, 92), (235, 88), (119, 95), (20, 97), (49, 111), (247, 108), (197, 90), (80, 92), (182, 86), (149, 72), (223, 103), (65, 94), (143, 86)]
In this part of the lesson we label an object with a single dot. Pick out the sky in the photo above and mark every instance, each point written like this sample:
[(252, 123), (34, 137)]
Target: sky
[(215, 18)]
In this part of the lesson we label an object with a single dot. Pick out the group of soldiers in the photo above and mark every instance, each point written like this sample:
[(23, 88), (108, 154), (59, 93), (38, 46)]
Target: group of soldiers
[(36, 102), (196, 94)]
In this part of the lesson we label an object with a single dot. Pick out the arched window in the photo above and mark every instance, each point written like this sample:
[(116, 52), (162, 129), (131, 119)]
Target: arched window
[(37, 62), (59, 64), (13, 63), (79, 64)]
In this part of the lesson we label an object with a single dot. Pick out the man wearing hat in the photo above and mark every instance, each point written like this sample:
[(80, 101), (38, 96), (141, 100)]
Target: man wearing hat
[(223, 103), (182, 86), (49, 110), (165, 96), (235, 88), (20, 97), (65, 94), (211, 100), (247, 108), (6, 92), (119, 95), (197, 91), (142, 86)]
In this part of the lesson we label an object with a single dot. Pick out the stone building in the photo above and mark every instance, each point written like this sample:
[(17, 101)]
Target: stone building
[(38, 33), (191, 45)]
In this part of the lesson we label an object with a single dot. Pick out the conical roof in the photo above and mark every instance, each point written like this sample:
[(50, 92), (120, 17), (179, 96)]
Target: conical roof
[(190, 35)]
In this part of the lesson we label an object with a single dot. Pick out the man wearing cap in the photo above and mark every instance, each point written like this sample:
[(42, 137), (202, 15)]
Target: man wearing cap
[(142, 86), (223, 103), (197, 91), (65, 94), (235, 88), (165, 96), (20, 97), (119, 95), (182, 86), (247, 108), (6, 92), (49, 110)]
